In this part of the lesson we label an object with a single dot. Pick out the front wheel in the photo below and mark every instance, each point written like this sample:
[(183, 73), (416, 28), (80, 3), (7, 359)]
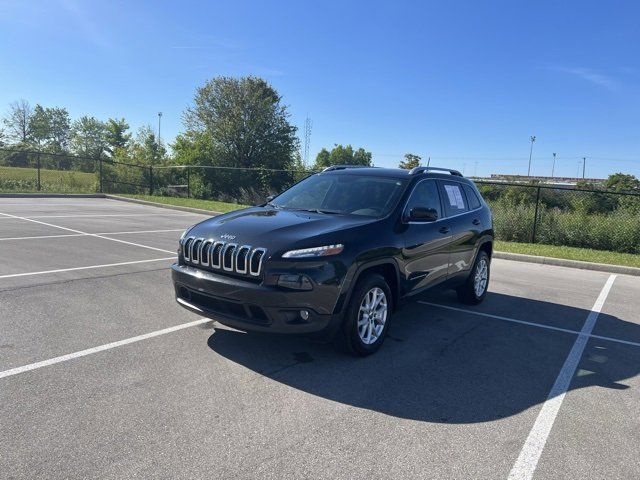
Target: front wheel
[(475, 287), (367, 317)]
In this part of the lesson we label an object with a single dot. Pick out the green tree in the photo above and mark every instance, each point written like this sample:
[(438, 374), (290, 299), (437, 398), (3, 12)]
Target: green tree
[(18, 122), (239, 123), (340, 155), (410, 161), (88, 137), (323, 159), (621, 182), (50, 128), (116, 134), (246, 122), (146, 149)]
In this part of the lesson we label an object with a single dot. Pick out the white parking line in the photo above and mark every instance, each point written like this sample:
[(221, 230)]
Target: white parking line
[(101, 348), (90, 267), (530, 324), (90, 215), (86, 233), (89, 234), (534, 445)]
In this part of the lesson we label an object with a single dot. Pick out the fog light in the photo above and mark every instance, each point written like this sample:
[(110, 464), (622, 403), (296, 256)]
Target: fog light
[(304, 314), (297, 282)]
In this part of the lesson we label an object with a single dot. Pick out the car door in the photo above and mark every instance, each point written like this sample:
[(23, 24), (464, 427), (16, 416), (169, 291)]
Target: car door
[(465, 225), (426, 244)]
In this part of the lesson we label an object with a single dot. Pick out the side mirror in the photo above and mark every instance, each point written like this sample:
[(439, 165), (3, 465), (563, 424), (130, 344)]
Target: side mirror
[(422, 214)]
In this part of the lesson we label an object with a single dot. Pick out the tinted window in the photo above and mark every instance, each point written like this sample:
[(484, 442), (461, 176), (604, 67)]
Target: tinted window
[(425, 194), (365, 195), (453, 198), (472, 197)]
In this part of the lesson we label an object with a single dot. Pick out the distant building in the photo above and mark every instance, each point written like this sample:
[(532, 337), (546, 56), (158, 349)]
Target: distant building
[(498, 177)]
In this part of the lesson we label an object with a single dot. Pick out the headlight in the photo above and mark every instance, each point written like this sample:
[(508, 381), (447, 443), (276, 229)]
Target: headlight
[(323, 251)]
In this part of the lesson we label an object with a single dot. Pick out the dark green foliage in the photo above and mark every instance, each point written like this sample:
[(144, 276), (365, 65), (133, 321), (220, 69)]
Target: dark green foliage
[(590, 219), (410, 161), (340, 155)]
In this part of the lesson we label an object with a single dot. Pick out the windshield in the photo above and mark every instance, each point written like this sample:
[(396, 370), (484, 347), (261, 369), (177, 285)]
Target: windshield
[(365, 195)]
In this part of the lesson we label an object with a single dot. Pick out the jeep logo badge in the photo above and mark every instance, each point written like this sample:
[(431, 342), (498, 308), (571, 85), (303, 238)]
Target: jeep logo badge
[(226, 236)]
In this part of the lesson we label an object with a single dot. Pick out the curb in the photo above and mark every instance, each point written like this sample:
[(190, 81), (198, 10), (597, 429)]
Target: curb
[(162, 205), (559, 262), (53, 195)]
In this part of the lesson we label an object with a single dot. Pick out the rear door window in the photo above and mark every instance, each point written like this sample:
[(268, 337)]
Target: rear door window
[(453, 198), (472, 198)]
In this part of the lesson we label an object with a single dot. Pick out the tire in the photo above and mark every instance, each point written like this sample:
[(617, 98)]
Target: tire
[(474, 290), (360, 334)]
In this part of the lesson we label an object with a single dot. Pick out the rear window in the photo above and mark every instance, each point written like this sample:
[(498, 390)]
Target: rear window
[(472, 197)]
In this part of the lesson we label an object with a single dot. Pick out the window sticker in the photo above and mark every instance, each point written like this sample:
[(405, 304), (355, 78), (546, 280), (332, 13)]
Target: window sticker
[(455, 196)]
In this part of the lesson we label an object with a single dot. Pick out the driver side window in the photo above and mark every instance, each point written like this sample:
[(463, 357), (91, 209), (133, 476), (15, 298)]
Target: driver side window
[(425, 194)]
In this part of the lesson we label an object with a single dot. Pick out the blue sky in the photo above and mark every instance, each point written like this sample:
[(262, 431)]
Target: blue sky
[(465, 82)]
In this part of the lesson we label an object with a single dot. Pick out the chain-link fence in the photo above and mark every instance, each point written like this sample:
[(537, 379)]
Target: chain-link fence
[(30, 171), (567, 216), (245, 186), (530, 213)]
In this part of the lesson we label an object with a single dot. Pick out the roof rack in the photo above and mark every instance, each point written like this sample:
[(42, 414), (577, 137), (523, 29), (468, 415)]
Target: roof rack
[(417, 170), (342, 167)]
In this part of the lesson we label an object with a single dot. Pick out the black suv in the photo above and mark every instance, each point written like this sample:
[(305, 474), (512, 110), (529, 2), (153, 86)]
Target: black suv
[(337, 252)]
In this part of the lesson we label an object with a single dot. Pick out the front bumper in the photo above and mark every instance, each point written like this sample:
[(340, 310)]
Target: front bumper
[(252, 306)]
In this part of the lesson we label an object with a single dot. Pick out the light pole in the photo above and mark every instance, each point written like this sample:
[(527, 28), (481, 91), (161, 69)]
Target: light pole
[(533, 139), (553, 166), (159, 121), (584, 163)]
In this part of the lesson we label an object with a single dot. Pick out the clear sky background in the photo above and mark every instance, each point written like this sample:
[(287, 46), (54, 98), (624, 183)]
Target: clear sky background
[(465, 82)]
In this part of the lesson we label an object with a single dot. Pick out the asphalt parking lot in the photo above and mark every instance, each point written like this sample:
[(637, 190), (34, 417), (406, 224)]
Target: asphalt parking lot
[(102, 375)]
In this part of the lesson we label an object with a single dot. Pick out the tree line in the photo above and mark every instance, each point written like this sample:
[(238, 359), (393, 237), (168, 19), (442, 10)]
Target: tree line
[(51, 130)]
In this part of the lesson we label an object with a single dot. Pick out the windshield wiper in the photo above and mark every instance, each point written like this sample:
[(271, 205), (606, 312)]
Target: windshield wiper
[(320, 210)]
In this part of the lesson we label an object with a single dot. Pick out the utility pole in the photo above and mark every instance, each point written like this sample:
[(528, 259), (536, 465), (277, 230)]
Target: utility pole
[(159, 121), (584, 163), (428, 161), (553, 166), (307, 141), (533, 139)]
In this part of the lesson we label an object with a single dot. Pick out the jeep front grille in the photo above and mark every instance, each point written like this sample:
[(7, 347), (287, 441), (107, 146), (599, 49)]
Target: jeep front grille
[(228, 257)]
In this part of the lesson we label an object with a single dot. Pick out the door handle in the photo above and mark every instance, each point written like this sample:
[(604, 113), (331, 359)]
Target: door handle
[(444, 230), (476, 221)]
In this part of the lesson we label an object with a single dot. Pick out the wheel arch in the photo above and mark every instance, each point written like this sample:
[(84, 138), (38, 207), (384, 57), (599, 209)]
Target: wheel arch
[(387, 268)]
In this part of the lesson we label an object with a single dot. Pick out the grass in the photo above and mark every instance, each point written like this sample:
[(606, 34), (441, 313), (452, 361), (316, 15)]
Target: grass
[(18, 179), (212, 205), (570, 253)]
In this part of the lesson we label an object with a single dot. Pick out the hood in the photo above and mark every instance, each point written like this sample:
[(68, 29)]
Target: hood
[(274, 229)]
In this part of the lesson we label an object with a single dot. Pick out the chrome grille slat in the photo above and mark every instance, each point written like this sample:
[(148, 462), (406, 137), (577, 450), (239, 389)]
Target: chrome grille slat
[(220, 255), (205, 248), (216, 254), (258, 251), (242, 254), (187, 248), (195, 250), (229, 247)]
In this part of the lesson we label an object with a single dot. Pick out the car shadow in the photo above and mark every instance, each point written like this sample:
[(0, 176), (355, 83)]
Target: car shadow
[(439, 365)]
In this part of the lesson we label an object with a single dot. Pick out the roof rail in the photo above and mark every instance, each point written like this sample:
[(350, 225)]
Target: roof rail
[(342, 167), (417, 170)]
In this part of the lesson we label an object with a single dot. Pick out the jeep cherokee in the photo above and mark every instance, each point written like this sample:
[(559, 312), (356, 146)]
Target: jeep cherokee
[(335, 253)]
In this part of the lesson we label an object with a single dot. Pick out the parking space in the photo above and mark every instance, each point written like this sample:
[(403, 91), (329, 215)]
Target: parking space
[(455, 392)]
